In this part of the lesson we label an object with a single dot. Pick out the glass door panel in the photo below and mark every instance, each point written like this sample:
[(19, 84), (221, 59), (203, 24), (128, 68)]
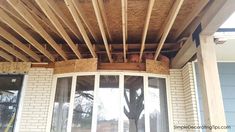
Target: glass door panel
[(108, 102), (83, 104), (61, 104), (134, 104), (158, 104), (10, 87)]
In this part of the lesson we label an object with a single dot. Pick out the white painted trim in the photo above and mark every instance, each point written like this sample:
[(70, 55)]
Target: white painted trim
[(20, 105), (146, 104), (71, 103), (51, 104), (95, 109), (196, 94), (121, 87), (169, 104)]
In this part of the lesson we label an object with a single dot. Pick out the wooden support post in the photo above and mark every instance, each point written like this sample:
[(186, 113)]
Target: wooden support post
[(211, 91)]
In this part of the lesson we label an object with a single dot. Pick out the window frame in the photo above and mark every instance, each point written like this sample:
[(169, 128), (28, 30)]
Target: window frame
[(121, 75)]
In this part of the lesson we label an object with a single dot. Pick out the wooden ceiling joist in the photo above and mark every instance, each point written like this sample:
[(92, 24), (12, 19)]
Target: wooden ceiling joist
[(9, 9), (40, 16), (52, 17), (6, 56), (101, 26), (5, 34), (12, 51), (80, 27), (124, 28), (84, 19), (194, 13), (146, 25), (22, 9), (168, 24), (62, 17), (104, 17), (21, 31)]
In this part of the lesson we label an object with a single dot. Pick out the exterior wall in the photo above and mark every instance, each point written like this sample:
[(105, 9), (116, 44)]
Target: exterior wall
[(184, 104), (36, 100)]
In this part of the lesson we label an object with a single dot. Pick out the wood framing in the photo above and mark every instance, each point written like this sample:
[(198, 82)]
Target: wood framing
[(20, 7), (124, 28), (168, 24), (47, 10), (84, 19), (80, 27), (146, 25), (211, 91), (62, 17), (18, 44), (15, 67), (210, 22), (9, 9), (104, 17), (101, 26), (186, 53), (39, 16), (194, 13), (12, 51), (217, 14), (82, 65), (15, 26), (122, 66), (6, 56), (157, 67)]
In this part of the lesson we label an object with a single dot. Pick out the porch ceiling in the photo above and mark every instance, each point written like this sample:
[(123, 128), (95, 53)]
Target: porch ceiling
[(112, 30)]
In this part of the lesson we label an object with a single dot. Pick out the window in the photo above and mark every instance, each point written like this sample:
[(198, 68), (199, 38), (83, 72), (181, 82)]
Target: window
[(10, 87), (61, 105), (110, 102)]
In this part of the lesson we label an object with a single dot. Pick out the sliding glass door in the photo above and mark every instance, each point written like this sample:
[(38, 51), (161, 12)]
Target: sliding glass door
[(110, 103)]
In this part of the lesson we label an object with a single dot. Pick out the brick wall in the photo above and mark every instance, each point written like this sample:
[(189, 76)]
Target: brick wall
[(190, 95), (36, 100), (184, 105)]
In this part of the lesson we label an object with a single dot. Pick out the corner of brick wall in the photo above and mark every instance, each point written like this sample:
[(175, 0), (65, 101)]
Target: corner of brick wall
[(183, 97), (36, 101)]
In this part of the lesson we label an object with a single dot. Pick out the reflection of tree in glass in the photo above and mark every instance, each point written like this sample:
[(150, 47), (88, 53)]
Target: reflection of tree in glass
[(7, 108), (83, 108), (135, 105)]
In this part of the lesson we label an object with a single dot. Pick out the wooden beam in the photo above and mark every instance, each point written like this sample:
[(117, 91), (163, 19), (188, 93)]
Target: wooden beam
[(101, 26), (21, 8), (52, 17), (168, 24), (124, 28), (122, 66), (5, 34), (12, 51), (217, 14), (186, 53), (194, 13), (146, 25), (84, 19), (104, 17), (9, 9), (15, 26), (40, 16), (211, 91), (80, 26), (6, 56), (62, 17)]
